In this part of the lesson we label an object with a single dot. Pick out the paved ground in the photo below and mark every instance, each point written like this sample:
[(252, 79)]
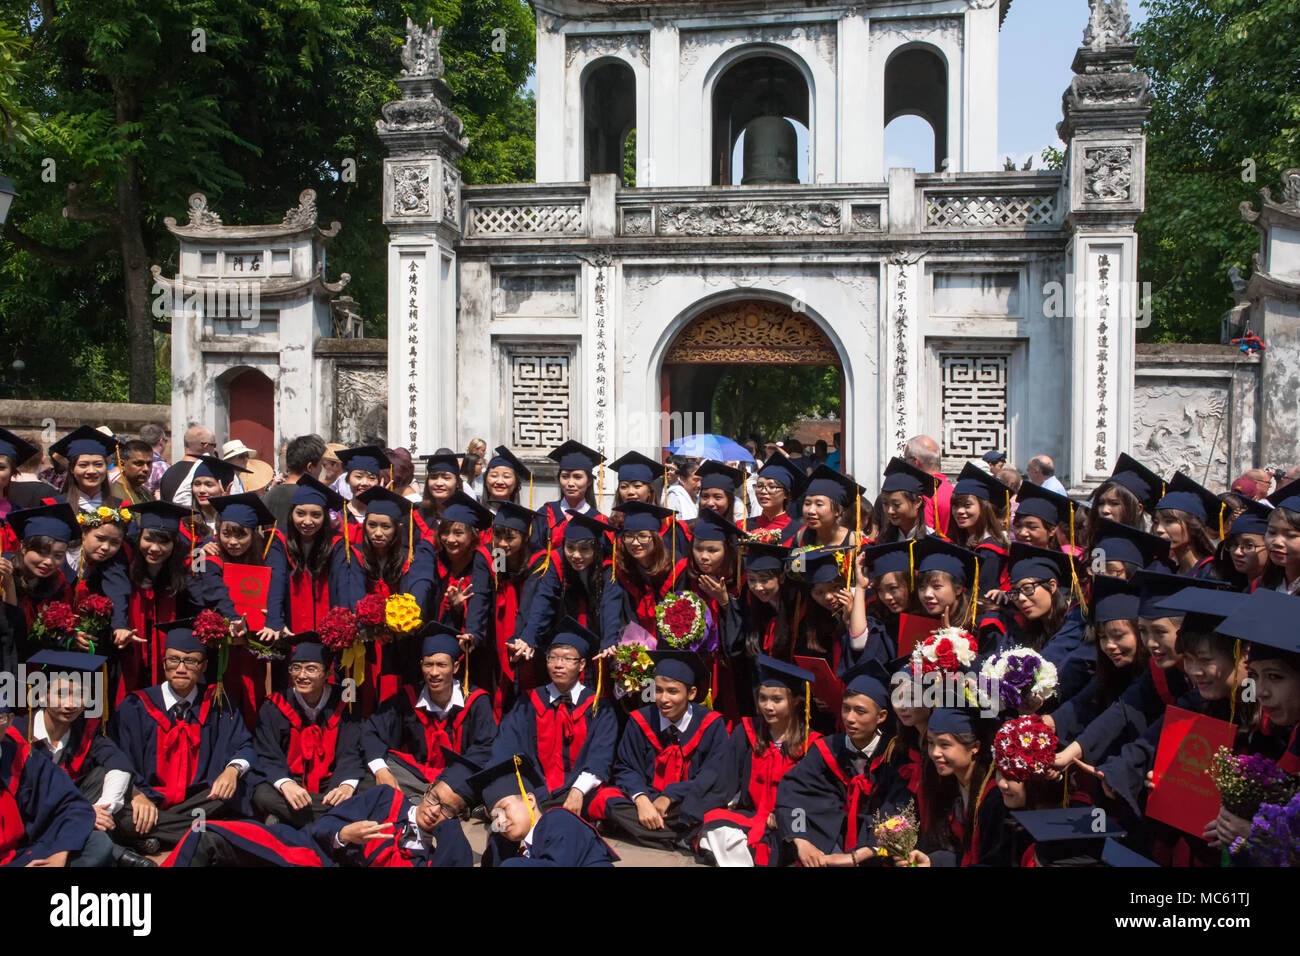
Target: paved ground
[(628, 855)]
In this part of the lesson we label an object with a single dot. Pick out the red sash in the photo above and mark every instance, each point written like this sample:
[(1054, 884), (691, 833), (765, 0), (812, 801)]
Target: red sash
[(12, 828), (858, 788), (560, 736), (972, 854), (507, 611), (1027, 858), (1161, 682), (177, 748), (437, 734), (309, 596), (78, 760), (388, 851), (311, 747), (145, 610), (673, 762), (1289, 762)]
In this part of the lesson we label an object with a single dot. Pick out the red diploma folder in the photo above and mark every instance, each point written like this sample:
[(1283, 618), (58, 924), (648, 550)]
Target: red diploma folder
[(248, 586), (827, 688), (1184, 796), (913, 629)]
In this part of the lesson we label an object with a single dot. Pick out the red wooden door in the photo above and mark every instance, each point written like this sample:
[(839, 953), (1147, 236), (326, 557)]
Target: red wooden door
[(252, 413)]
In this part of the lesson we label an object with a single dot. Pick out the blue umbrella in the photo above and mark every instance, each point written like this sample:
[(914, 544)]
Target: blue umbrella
[(715, 447)]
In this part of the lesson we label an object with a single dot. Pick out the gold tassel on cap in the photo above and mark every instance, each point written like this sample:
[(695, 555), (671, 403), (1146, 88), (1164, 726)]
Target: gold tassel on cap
[(532, 818)]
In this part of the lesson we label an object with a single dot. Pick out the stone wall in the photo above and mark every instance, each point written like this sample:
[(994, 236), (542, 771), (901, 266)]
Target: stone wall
[(43, 422), (1195, 410), (353, 390)]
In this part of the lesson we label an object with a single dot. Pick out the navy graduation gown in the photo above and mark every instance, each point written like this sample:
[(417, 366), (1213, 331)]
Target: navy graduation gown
[(475, 615), (41, 811), (171, 762), (384, 804), (276, 844), (881, 646), (563, 744), (1142, 702), (545, 605), (348, 576), (414, 737), (559, 839), (823, 801), (317, 754), (296, 603), (85, 748)]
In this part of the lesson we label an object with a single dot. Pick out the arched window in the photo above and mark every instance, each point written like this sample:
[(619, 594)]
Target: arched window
[(916, 84), (761, 105), (609, 116)]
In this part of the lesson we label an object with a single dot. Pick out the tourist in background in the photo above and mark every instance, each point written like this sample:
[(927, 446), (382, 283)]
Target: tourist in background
[(302, 456), (1042, 471), (156, 437), (198, 441), (922, 452), (681, 494), (132, 481)]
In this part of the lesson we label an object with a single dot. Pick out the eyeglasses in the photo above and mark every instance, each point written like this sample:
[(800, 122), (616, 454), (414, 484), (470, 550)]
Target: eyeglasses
[(563, 658), (431, 797), (307, 670), (189, 663), (640, 537), (768, 486), (1245, 548), (1026, 590)]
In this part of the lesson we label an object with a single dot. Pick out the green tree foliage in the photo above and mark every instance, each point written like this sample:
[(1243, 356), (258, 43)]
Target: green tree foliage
[(1226, 77), (770, 400), (139, 103)]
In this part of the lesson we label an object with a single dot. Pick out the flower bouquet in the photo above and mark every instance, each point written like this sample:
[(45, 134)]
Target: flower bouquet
[(764, 536), (1024, 748), (1274, 835), (630, 669), (683, 623), (93, 614), (1017, 675), (56, 623), (339, 631), (213, 632), (896, 835), (1248, 781), (949, 650), (401, 615), (372, 617)]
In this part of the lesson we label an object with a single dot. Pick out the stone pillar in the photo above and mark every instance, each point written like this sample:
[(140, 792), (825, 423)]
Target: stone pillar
[(859, 140), (1105, 107), (423, 215), (659, 158), (551, 81), (979, 99)]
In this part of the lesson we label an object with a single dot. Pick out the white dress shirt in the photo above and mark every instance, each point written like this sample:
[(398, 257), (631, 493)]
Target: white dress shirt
[(681, 724), (586, 782), (312, 713), (116, 782), (680, 500), (426, 703), (860, 758), (170, 700)]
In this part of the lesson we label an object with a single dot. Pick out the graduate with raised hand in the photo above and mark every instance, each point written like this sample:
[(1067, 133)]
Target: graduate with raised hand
[(464, 570), (59, 727), (562, 726), (884, 593), (524, 833), (517, 572), (672, 761), (299, 594), (188, 752), (825, 803), (642, 575), (744, 832), (308, 742), (405, 740), (1191, 517), (33, 577), (577, 466), (46, 821), (946, 592)]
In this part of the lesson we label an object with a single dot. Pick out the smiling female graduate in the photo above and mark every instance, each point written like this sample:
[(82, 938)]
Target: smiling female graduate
[(523, 833), (442, 481), (637, 475), (1039, 515), (744, 831), (1043, 597), (672, 761), (946, 592), (364, 468), (826, 500), (1191, 517), (504, 479), (517, 571), (956, 780), (777, 486), (1243, 555), (576, 477), (562, 726), (569, 584), (466, 584), (1129, 496), (210, 478), (299, 594), (33, 576), (825, 802), (642, 573), (88, 453), (902, 504), (978, 521)]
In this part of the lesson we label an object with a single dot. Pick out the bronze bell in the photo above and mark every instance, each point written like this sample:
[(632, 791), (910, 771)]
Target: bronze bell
[(771, 152)]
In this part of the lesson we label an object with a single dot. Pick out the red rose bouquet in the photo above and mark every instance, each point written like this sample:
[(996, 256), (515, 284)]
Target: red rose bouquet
[(340, 631), (56, 622), (372, 616), (681, 620), (213, 632), (93, 614)]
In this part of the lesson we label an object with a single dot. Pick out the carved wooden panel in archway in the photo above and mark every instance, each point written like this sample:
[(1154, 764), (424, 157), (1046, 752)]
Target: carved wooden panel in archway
[(752, 333)]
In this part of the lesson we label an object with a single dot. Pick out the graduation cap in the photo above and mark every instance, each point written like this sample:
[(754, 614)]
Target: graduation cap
[(937, 554), (635, 466), (974, 480), (309, 491), (463, 508), (869, 678), (438, 638), (1114, 853), (1288, 497), (641, 516), (1072, 834), (1267, 619), (1114, 599), (223, 472), (15, 449), (994, 457), (57, 521), (953, 720), (765, 557), (711, 526), (503, 457), (1047, 506), (368, 458), (1200, 608), (158, 516), (783, 471), (821, 565), (572, 634), (382, 501), (1200, 502), (716, 475), (516, 776), (180, 636), (1145, 484), (900, 476), (445, 461), (67, 661), (1254, 519), (1121, 542), (685, 667), (1039, 564), (882, 559), (581, 527), (245, 510), (1157, 585), (84, 440), (308, 649), (829, 482), (515, 517), (775, 673), (575, 456)]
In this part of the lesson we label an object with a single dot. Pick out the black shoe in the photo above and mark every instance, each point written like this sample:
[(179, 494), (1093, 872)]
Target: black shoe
[(131, 858), (148, 846)]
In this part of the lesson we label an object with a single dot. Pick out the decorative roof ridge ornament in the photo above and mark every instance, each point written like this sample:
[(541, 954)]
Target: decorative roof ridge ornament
[(422, 52), (1108, 25), (303, 215), (201, 217)]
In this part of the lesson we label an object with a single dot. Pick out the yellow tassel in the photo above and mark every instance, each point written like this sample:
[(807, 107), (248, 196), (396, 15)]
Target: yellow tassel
[(530, 491), (1236, 666), (600, 486), (347, 545), (1065, 790), (1075, 587), (911, 565), (1221, 507), (807, 708), (708, 699), (532, 819), (975, 596), (269, 538), (600, 684)]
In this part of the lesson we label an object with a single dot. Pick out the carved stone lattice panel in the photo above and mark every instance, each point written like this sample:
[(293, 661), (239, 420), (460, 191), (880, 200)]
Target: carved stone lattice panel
[(750, 219), (1108, 173), (521, 219), (752, 333), (864, 218), (989, 211), (539, 398), (360, 405), (974, 406)]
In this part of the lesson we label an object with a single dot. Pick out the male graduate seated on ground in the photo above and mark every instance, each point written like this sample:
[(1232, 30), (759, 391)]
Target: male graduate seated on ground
[(403, 740), (44, 821), (563, 727), (187, 753), (308, 742), (523, 834), (381, 827), (671, 763), (824, 804), (59, 728)]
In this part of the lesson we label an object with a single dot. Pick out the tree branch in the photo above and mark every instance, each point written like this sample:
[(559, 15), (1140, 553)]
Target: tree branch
[(88, 251)]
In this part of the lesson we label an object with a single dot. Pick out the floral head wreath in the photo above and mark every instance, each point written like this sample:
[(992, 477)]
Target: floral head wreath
[(104, 515), (1024, 748)]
